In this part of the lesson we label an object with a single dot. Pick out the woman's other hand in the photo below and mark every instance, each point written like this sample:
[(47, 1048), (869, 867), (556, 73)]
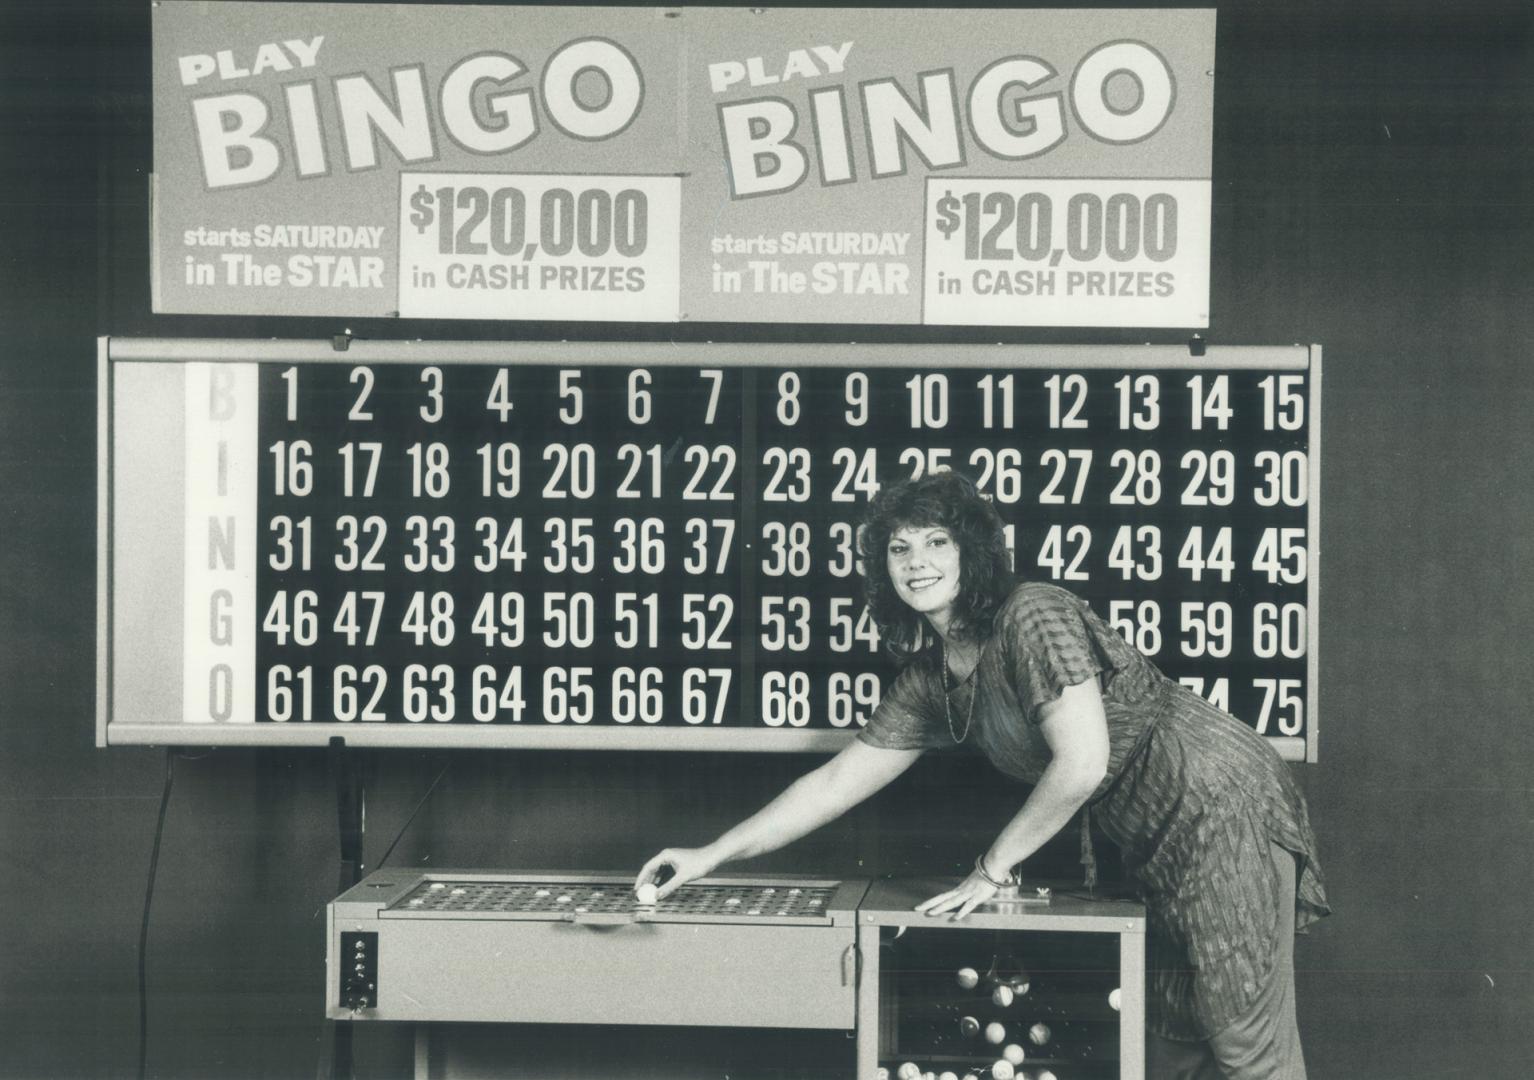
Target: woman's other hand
[(962, 899), (685, 864)]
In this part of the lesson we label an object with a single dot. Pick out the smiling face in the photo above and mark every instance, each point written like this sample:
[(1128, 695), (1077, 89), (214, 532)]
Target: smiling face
[(923, 564)]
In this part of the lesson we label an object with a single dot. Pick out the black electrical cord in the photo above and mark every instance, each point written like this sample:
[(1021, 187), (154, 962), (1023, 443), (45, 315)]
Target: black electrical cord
[(143, 934), (397, 836)]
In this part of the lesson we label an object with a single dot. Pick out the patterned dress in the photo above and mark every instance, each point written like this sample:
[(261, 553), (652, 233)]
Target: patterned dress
[(1192, 796)]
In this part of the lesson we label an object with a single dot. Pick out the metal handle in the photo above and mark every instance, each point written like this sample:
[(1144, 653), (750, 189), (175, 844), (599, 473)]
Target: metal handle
[(850, 958), (602, 918)]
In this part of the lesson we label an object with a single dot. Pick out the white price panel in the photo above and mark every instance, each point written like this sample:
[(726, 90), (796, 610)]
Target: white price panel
[(1035, 252), (534, 246)]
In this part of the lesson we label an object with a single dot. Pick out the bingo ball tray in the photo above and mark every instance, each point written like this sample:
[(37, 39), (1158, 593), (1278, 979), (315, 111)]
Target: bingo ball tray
[(596, 901)]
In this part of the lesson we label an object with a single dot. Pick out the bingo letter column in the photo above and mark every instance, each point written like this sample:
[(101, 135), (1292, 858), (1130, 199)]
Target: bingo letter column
[(221, 474)]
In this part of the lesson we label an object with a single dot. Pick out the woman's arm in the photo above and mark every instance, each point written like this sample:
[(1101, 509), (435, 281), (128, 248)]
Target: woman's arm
[(817, 797), (1076, 730)]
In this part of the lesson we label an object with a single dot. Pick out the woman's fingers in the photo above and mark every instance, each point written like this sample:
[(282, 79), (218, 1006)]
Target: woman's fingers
[(648, 871), (946, 902), (685, 864), (674, 882), (934, 905), (969, 905), (965, 898)]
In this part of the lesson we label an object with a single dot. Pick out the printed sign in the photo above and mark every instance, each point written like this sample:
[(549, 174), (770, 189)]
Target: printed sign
[(948, 167)]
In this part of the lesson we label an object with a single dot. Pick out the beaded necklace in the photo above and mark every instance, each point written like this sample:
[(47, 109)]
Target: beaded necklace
[(973, 694)]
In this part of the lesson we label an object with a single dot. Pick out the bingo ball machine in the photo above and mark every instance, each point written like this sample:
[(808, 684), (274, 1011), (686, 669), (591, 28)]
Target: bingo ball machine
[(1027, 987)]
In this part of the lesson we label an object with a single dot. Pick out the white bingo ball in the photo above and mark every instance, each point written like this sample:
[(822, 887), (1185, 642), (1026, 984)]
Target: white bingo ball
[(909, 1071), (1039, 1034), (646, 894), (1002, 996), (995, 1034), (1019, 985), (929, 1075), (1046, 1074), (948, 1076), (1115, 996), (969, 1026), (1013, 1053), (969, 978), (881, 1073), (1003, 1070)]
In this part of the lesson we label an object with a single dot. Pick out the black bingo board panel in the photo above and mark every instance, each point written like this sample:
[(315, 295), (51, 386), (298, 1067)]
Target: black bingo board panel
[(654, 545)]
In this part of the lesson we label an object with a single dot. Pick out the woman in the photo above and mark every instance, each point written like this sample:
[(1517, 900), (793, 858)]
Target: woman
[(1213, 831)]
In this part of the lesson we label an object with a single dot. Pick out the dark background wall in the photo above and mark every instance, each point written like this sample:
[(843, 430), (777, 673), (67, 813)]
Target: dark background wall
[(1372, 193)]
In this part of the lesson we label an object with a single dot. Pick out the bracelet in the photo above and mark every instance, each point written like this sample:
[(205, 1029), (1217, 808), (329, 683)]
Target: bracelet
[(980, 869)]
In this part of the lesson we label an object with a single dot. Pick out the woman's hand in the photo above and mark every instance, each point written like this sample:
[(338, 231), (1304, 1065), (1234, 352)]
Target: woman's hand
[(686, 864), (965, 897)]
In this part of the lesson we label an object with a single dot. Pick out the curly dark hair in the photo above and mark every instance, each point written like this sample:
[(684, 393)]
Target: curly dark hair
[(948, 500)]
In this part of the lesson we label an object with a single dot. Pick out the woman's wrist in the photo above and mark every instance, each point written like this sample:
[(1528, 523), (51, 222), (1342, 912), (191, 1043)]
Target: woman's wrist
[(1001, 882), (715, 855)]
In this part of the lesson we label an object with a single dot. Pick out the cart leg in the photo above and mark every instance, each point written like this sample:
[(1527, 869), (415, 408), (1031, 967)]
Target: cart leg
[(868, 1001), (423, 1052), (1131, 1006)]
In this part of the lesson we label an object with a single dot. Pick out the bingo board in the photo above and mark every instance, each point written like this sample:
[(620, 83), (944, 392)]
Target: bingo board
[(631, 546)]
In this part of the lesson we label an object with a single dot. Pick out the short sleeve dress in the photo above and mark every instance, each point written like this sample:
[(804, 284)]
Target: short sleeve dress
[(1192, 796)]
